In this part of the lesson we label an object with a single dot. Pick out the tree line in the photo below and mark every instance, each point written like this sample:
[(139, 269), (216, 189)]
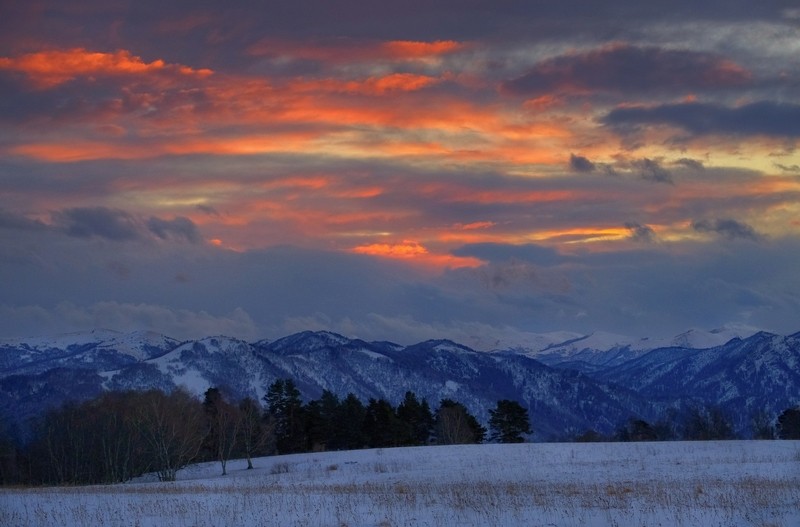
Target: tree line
[(700, 423), (122, 435)]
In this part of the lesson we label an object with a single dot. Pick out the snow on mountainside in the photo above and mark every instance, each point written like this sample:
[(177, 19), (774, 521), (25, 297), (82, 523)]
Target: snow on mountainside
[(597, 381), (99, 349), (65, 340), (602, 349)]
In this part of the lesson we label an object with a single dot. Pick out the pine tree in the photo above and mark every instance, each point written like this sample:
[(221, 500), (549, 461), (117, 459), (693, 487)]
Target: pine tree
[(350, 418), (417, 418), (508, 422), (321, 415), (382, 427), (286, 413)]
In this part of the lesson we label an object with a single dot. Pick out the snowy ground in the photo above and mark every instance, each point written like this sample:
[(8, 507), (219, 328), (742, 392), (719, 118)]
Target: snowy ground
[(732, 483)]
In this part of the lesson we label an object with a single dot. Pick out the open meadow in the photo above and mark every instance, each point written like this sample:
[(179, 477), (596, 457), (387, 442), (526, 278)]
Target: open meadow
[(730, 483)]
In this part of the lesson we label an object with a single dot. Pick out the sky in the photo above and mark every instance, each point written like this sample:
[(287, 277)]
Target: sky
[(475, 170)]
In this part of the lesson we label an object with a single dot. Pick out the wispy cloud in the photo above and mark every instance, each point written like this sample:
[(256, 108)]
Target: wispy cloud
[(628, 69), (728, 228)]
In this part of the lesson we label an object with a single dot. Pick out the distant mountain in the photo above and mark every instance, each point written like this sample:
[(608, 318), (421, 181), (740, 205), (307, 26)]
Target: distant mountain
[(597, 381), (97, 350), (744, 376), (601, 350)]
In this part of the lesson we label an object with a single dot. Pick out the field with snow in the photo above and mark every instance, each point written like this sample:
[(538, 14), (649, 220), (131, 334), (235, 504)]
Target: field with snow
[(731, 483)]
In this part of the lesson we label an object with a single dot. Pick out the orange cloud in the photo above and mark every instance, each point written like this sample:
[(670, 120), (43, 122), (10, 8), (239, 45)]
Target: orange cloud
[(68, 150), (475, 225), (579, 235), (369, 86), (407, 249), (410, 49), (397, 82), (312, 116), (414, 252), (47, 69)]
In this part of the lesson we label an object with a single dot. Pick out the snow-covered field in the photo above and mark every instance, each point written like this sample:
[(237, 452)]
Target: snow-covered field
[(732, 483)]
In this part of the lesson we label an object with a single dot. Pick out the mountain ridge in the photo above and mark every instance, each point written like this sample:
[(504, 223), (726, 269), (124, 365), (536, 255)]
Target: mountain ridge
[(566, 393)]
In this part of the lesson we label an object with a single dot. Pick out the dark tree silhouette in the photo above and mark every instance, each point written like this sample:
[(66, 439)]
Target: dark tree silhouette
[(707, 424), (321, 422), (173, 430), (455, 425), (789, 423), (762, 426), (508, 422), (222, 423), (382, 427), (350, 418), (418, 419), (255, 435), (286, 413), (637, 430)]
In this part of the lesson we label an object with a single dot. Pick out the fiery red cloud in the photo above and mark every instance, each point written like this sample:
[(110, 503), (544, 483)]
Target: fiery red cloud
[(47, 69)]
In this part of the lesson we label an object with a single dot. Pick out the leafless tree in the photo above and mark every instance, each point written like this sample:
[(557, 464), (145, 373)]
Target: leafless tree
[(257, 435), (173, 429)]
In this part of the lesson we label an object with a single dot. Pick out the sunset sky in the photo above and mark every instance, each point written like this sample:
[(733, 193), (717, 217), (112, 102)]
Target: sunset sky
[(474, 170)]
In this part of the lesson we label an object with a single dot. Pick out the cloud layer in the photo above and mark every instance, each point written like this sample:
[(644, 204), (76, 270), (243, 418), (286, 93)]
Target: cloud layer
[(484, 170)]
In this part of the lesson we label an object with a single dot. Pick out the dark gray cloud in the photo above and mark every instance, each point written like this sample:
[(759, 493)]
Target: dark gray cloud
[(499, 252), (641, 233), (98, 222), (760, 118), (690, 163), (180, 227), (209, 33), (728, 228), (624, 68), (121, 226), (788, 168), (651, 170), (580, 164), (272, 292)]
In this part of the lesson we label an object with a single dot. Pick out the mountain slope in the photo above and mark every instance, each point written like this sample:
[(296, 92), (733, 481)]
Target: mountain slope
[(605, 388), (760, 373)]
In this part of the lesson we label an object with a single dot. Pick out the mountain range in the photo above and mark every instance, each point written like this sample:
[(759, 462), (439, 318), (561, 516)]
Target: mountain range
[(596, 382)]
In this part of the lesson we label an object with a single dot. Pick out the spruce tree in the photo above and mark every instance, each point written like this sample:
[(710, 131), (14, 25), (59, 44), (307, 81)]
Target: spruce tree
[(789, 424), (350, 418), (286, 413), (417, 418), (508, 422)]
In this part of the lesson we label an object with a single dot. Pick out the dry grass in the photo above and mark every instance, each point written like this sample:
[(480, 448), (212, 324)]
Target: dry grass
[(398, 503), (319, 493)]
